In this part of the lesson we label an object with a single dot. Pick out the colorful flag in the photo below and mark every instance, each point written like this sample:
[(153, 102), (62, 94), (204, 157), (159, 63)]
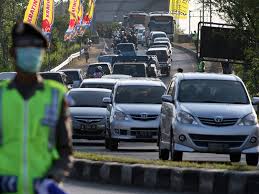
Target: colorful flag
[(48, 17), (32, 12), (74, 6), (89, 14)]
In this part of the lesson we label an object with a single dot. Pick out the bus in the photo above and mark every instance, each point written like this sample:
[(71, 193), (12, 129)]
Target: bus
[(136, 17), (162, 22)]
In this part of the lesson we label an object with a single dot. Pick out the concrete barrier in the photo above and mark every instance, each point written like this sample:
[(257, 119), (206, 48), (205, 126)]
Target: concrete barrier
[(173, 179)]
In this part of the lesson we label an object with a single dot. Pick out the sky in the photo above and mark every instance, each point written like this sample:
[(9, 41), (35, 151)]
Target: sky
[(195, 8)]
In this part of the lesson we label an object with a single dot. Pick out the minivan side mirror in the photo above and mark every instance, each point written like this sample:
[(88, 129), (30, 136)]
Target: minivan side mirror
[(255, 101), (107, 100), (167, 98)]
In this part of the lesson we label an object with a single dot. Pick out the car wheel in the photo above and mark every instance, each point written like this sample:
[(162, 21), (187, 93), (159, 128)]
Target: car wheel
[(175, 155), (168, 72), (252, 159), (107, 143), (235, 157), (113, 145)]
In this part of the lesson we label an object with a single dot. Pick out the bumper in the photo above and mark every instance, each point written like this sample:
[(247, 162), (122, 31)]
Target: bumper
[(135, 131), (97, 133), (222, 140)]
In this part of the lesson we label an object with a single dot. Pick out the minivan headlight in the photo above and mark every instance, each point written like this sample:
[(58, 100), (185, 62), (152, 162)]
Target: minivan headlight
[(248, 120), (186, 118), (118, 115)]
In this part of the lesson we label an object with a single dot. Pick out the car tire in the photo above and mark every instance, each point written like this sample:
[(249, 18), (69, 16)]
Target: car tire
[(252, 159), (235, 157), (175, 155), (168, 72), (113, 145), (163, 154)]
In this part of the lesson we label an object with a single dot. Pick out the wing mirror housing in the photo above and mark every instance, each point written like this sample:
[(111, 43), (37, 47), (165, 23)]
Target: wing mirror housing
[(255, 101), (107, 100), (167, 98)]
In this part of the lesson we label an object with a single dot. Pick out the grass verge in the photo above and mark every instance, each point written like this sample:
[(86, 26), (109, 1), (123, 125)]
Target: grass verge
[(184, 164)]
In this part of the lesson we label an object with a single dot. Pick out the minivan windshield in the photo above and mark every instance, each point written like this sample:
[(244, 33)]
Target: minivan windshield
[(137, 94), (125, 47), (89, 98), (212, 91)]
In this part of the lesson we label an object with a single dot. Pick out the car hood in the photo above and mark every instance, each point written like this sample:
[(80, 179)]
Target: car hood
[(88, 111), (139, 108), (213, 110)]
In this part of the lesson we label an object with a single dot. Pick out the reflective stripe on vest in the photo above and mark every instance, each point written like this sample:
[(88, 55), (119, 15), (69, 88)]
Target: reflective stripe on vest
[(51, 117)]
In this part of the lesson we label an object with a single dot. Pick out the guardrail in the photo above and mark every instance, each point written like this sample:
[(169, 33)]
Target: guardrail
[(67, 61)]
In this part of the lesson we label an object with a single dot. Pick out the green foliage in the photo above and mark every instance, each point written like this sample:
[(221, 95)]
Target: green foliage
[(244, 14), (13, 10)]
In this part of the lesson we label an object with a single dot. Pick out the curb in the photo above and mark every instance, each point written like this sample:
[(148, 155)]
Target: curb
[(173, 179), (189, 51)]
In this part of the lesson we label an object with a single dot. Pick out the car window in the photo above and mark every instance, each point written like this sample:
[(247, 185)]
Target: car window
[(88, 98), (135, 70), (91, 69), (125, 47), (73, 75), (212, 91), (135, 94), (162, 55), (52, 76)]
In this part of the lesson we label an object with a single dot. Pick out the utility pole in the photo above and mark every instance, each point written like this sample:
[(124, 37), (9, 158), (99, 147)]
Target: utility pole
[(210, 11), (203, 10), (190, 21)]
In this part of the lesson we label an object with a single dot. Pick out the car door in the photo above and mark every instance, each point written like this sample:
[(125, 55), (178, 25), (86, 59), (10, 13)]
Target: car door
[(167, 113)]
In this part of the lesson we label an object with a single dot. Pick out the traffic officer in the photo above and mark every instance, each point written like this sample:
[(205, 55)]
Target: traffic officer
[(35, 126)]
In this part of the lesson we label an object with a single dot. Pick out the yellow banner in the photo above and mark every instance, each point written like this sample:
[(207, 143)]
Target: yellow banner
[(74, 8), (91, 12), (48, 15), (32, 12), (179, 8)]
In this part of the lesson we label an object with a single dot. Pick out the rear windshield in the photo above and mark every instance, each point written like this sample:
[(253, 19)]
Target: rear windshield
[(135, 70), (125, 47), (73, 75), (161, 55), (212, 91), (52, 76), (92, 68), (98, 85), (108, 59), (158, 35)]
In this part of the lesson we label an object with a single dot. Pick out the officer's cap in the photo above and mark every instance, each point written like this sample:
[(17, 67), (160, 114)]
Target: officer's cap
[(24, 34)]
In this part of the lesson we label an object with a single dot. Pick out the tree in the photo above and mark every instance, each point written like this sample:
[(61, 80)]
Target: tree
[(244, 14)]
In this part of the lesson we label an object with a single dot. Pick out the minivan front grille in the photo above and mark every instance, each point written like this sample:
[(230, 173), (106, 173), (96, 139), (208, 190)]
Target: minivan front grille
[(231, 140), (224, 123), (88, 120), (144, 117)]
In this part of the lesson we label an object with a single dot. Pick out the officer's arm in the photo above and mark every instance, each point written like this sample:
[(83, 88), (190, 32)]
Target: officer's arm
[(61, 167)]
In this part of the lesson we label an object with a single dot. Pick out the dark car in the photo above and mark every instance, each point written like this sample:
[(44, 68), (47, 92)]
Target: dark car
[(76, 75), (107, 69), (132, 68), (59, 77), (126, 49), (107, 59), (89, 113)]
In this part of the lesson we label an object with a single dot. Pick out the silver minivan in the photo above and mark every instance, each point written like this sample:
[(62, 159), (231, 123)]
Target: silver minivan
[(134, 111), (209, 113)]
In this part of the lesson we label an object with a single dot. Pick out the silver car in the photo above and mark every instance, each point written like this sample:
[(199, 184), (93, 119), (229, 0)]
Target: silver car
[(209, 113), (89, 114), (135, 111)]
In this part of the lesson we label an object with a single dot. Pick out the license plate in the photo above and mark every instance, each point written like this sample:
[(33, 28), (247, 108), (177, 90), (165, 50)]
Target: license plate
[(88, 127), (218, 147), (143, 134)]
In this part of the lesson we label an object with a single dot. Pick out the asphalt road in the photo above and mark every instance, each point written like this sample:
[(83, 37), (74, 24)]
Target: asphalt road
[(91, 188)]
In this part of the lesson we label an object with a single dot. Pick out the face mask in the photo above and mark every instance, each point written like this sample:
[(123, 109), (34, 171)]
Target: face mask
[(29, 59)]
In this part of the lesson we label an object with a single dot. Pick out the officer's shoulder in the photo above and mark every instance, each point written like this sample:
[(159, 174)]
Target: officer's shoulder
[(55, 85)]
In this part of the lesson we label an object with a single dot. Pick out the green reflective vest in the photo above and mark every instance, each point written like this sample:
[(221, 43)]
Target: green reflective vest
[(27, 133)]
